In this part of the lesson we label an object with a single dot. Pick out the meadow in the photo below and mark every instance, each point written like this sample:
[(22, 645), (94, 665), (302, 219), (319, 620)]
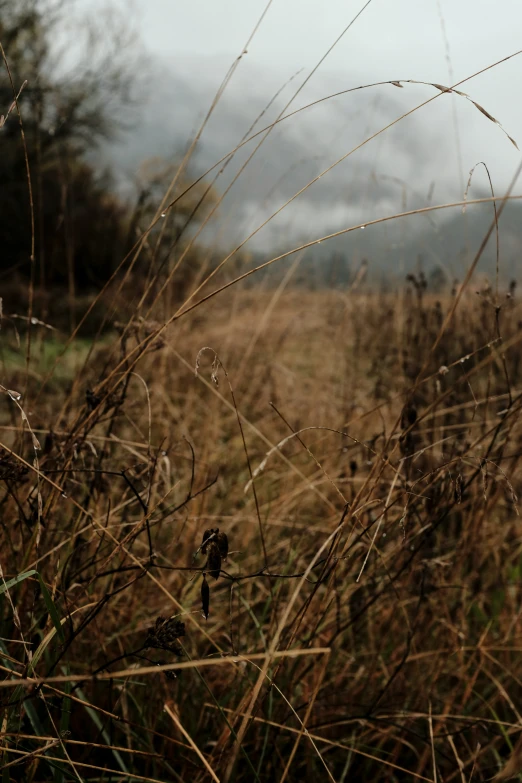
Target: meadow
[(360, 451), (252, 529)]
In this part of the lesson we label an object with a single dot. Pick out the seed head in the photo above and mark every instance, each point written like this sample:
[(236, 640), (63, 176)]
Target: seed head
[(164, 633), (222, 542), (205, 597), (214, 560), (210, 533)]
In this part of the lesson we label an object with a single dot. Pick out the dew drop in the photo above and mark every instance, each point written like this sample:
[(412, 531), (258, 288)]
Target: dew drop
[(14, 395), (64, 494), (362, 228), (163, 214)]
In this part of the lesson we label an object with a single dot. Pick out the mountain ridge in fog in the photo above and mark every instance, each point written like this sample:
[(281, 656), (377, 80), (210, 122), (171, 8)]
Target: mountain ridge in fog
[(407, 167)]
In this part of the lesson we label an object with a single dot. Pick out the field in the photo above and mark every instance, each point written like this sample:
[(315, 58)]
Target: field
[(259, 500), (360, 451)]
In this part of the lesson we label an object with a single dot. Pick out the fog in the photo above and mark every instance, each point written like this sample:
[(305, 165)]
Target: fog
[(425, 158)]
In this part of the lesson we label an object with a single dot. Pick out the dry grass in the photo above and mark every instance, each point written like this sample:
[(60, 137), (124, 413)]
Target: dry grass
[(262, 535), (379, 638)]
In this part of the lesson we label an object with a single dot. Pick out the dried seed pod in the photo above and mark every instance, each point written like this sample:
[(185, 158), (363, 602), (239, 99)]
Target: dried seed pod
[(92, 399), (164, 633), (10, 468), (48, 443), (205, 597), (409, 416), (222, 542), (206, 535), (213, 560), (458, 489)]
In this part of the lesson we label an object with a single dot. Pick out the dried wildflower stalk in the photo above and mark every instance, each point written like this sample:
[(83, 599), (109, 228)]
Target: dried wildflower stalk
[(163, 635), (214, 560), (209, 535), (215, 545), (222, 542), (205, 597)]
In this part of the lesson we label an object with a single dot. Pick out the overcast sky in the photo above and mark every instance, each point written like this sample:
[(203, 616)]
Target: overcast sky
[(195, 42)]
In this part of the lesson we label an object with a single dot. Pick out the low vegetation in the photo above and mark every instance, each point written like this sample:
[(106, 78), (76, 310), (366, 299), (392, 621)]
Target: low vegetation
[(360, 452), (249, 531)]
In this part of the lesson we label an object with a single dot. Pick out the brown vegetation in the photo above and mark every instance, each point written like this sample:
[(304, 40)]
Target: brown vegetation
[(379, 548), (248, 532)]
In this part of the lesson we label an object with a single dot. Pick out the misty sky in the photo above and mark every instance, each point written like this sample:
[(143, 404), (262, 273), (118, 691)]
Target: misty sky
[(194, 43)]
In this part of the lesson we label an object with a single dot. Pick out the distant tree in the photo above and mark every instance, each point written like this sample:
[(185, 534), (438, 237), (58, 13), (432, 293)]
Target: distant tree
[(437, 280), (153, 177), (169, 250), (77, 84)]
